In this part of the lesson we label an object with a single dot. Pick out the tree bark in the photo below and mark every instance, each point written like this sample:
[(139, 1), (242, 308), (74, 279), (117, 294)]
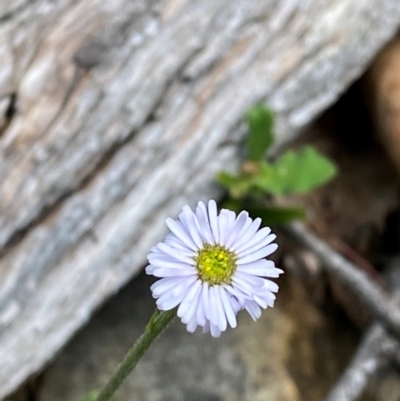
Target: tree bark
[(115, 114)]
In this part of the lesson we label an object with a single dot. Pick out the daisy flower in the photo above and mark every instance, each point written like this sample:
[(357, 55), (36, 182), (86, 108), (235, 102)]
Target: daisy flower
[(212, 266)]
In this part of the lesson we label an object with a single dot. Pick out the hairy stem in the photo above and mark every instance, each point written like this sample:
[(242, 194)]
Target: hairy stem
[(158, 322)]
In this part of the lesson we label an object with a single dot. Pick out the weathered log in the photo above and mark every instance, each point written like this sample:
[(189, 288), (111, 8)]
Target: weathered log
[(383, 85), (116, 113)]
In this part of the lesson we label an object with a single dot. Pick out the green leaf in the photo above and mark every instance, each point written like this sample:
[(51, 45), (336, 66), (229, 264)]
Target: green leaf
[(296, 172), (268, 179), (278, 215), (226, 179), (260, 138), (238, 186)]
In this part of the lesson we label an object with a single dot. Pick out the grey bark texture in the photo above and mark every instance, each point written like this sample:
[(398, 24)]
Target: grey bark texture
[(115, 114)]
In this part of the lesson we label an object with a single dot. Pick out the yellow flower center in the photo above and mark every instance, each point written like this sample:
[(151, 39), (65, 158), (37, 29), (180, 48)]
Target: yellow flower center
[(215, 264)]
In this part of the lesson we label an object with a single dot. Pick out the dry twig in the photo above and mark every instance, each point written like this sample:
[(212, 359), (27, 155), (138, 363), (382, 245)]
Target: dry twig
[(378, 348), (376, 351), (377, 301)]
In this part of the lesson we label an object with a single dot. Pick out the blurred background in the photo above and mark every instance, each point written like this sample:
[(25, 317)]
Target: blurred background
[(114, 114)]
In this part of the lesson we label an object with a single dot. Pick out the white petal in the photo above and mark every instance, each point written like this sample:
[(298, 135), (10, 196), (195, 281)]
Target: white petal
[(177, 228), (243, 286), (270, 300), (192, 325), (165, 284), (215, 331), (246, 234), (256, 238), (271, 286), (228, 308), (160, 263), (223, 226), (171, 237), (194, 293), (261, 243), (164, 272), (193, 305), (213, 306), (184, 285), (202, 218), (168, 301), (254, 281), (262, 267), (237, 228), (188, 219), (176, 254), (200, 316), (237, 303), (222, 323), (261, 271), (231, 220), (227, 220), (176, 243), (160, 256), (150, 269), (253, 309), (238, 293), (261, 253), (259, 263), (268, 296), (190, 295), (261, 301), (205, 293), (212, 213)]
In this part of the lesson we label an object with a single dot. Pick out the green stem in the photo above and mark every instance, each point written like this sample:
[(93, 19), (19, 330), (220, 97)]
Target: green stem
[(158, 322)]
